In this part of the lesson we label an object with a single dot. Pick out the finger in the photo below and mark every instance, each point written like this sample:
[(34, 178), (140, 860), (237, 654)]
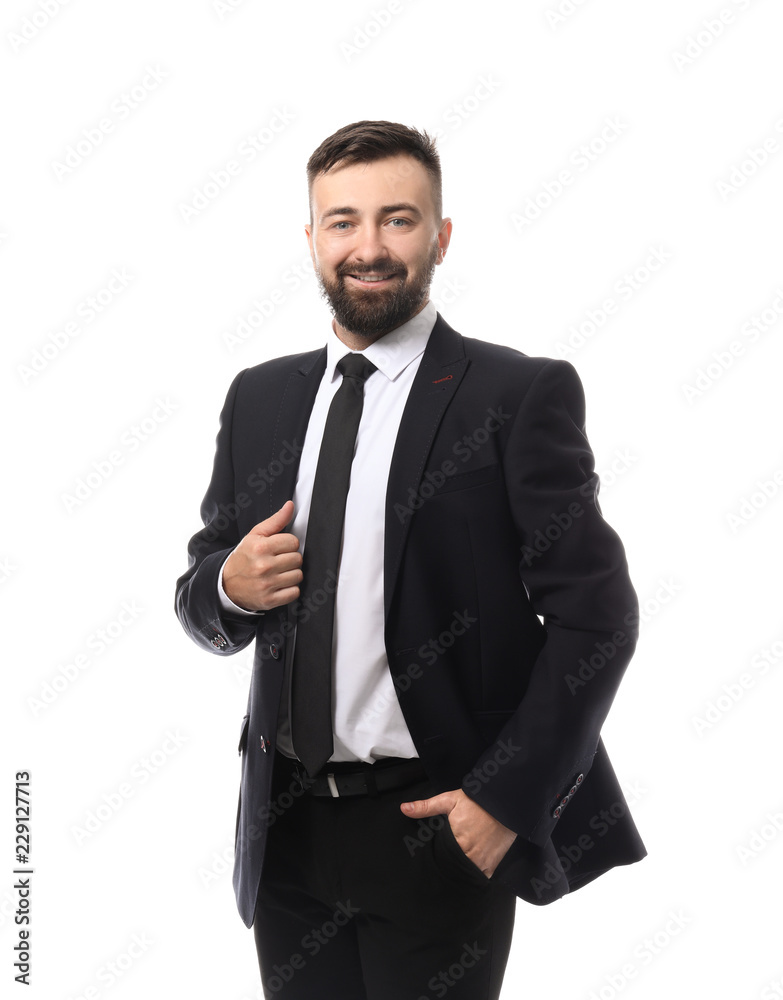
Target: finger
[(435, 806), (281, 597), (292, 579), (283, 542), (268, 567), (288, 563), (274, 524)]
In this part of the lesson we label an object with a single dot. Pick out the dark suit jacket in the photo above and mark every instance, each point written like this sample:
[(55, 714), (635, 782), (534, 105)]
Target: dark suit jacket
[(491, 521)]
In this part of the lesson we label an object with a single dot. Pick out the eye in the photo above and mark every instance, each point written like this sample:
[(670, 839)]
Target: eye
[(343, 223), (404, 221)]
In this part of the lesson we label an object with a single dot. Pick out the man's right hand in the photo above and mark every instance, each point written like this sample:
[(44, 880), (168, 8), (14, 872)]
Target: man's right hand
[(264, 570)]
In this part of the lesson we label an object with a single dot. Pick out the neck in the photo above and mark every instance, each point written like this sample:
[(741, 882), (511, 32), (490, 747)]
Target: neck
[(358, 341)]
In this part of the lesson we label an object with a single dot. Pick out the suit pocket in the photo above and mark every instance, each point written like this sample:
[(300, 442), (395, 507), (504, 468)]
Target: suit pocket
[(243, 734), (467, 480), (236, 826), (453, 861)]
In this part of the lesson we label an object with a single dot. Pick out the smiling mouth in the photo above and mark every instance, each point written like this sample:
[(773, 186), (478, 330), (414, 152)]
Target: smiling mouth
[(368, 280)]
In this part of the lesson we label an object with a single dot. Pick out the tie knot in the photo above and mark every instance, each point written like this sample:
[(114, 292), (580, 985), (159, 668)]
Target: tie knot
[(356, 366)]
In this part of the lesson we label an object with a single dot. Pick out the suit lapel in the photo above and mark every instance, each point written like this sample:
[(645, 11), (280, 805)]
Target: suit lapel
[(293, 416), (440, 372)]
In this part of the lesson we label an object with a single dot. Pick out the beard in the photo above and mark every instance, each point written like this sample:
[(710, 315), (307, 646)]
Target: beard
[(370, 312)]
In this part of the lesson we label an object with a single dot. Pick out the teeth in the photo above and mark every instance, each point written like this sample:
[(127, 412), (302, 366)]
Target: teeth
[(367, 277)]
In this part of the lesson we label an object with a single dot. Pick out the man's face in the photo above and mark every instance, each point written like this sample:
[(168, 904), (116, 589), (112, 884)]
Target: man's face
[(375, 242)]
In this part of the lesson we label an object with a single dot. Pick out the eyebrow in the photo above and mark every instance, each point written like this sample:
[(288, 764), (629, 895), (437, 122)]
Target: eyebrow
[(403, 206)]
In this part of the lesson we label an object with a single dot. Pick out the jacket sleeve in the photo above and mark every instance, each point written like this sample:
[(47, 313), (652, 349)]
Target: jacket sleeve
[(197, 602), (574, 569)]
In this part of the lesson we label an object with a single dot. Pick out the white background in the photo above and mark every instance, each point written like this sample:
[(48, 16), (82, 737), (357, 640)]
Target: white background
[(689, 98)]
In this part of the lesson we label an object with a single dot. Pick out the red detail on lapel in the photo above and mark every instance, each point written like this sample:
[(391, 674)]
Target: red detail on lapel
[(444, 379)]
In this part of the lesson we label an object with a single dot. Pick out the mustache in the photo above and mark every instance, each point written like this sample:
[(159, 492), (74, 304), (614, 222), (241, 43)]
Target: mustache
[(343, 271)]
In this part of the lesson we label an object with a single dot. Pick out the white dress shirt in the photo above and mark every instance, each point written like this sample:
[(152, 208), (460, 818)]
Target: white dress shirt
[(368, 723)]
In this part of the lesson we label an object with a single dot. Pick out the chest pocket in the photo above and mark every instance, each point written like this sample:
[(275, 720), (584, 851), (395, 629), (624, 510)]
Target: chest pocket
[(467, 480)]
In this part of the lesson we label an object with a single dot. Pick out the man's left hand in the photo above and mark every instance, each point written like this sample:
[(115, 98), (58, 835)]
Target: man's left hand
[(481, 836)]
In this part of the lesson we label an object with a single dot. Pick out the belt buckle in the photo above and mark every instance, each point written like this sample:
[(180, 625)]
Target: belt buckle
[(332, 785)]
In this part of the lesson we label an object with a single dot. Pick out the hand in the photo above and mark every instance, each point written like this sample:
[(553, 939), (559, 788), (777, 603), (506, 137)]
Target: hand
[(264, 570), (483, 839)]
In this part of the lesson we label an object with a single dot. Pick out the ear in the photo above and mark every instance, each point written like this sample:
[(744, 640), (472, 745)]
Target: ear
[(444, 238), (309, 231)]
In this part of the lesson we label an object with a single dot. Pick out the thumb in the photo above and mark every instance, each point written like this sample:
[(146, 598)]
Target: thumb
[(436, 806), (274, 524)]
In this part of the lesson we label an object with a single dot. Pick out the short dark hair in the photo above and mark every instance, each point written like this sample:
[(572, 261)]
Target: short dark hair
[(367, 141)]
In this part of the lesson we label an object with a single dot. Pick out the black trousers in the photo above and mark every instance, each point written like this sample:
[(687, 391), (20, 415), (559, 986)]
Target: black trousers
[(360, 902)]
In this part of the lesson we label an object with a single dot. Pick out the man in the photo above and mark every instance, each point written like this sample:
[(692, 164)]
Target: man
[(406, 522)]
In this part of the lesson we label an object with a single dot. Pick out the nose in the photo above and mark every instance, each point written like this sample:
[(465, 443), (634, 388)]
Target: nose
[(369, 246)]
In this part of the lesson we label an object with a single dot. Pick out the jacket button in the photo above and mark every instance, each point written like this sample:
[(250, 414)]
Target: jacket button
[(274, 651)]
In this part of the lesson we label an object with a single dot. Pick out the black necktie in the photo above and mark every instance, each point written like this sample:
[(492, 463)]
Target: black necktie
[(311, 679)]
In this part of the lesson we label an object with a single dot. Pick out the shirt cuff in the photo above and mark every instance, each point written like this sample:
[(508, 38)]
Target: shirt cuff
[(225, 601)]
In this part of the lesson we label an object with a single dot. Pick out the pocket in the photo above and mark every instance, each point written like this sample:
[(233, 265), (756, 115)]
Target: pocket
[(450, 857), (239, 812), (243, 734), (467, 480)]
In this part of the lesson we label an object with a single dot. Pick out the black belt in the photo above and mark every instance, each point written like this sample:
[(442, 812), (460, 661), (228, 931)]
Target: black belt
[(337, 780)]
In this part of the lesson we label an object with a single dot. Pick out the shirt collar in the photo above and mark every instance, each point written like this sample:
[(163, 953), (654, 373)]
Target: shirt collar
[(393, 352)]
